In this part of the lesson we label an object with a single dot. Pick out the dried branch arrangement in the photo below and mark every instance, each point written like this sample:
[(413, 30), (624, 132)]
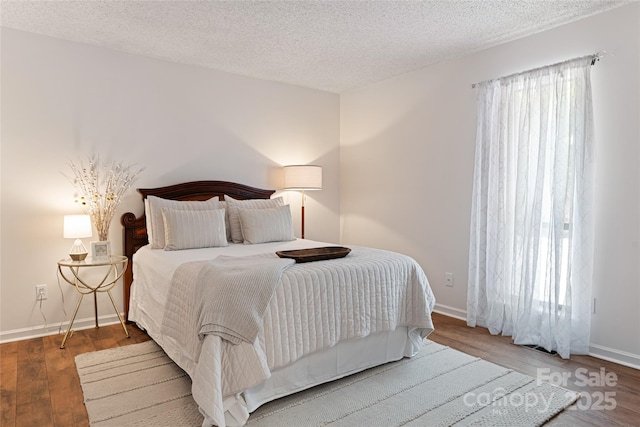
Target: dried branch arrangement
[(100, 189)]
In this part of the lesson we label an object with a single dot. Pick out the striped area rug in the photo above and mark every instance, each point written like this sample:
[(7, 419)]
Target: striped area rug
[(138, 385)]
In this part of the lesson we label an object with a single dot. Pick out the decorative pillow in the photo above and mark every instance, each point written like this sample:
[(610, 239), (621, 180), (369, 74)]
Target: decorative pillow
[(186, 229), (234, 205), (266, 225), (155, 223), (223, 205)]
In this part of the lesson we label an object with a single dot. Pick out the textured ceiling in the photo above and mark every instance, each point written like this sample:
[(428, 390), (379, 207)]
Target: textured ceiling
[(329, 45)]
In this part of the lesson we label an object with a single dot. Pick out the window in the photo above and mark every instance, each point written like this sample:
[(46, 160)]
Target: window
[(531, 249)]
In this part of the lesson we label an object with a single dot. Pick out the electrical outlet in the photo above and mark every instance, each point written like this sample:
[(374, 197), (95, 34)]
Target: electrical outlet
[(41, 292), (449, 279)]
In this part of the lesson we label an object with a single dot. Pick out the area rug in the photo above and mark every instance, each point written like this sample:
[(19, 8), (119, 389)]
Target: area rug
[(138, 385)]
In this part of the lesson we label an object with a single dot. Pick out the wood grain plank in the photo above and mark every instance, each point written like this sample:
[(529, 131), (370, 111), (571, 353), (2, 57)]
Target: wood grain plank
[(67, 402), (8, 382), (33, 400)]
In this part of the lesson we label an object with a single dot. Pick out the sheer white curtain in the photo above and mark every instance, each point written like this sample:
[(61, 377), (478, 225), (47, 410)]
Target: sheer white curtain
[(531, 252)]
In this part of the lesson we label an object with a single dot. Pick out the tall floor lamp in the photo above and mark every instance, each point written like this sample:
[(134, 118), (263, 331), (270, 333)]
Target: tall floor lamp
[(303, 177)]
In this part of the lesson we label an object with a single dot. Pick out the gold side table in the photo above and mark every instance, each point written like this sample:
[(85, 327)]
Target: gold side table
[(115, 267)]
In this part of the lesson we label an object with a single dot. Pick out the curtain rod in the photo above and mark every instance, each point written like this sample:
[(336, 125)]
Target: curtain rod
[(594, 58)]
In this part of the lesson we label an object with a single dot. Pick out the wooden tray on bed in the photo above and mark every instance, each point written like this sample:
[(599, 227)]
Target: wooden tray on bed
[(315, 254)]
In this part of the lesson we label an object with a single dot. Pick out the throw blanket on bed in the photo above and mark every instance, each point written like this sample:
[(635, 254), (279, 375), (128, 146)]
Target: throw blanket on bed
[(315, 305), (226, 296)]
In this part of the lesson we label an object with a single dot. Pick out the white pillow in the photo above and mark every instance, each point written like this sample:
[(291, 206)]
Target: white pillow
[(234, 205), (223, 205), (186, 229), (155, 223), (266, 225)]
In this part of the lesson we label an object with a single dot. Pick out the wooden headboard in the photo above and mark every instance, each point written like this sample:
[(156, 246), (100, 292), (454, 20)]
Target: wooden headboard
[(135, 228)]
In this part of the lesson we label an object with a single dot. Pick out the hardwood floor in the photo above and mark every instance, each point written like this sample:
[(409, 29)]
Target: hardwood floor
[(39, 383), (40, 387), (500, 350)]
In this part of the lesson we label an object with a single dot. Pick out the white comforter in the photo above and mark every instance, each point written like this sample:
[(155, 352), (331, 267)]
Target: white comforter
[(315, 306)]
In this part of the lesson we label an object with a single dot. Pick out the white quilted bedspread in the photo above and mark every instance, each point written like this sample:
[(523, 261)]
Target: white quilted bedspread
[(315, 306)]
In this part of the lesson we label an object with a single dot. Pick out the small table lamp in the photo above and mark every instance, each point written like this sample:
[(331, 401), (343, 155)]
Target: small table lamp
[(77, 227), (303, 177)]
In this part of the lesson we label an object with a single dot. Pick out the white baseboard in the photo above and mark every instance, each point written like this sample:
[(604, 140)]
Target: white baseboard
[(56, 328), (450, 311), (616, 356), (598, 351)]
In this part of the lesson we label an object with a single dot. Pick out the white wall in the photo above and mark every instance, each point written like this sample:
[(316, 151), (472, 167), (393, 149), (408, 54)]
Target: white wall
[(407, 149), (64, 100), (397, 156)]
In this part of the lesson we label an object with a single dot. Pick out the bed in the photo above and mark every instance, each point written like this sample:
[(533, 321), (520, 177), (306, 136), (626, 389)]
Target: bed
[(318, 321)]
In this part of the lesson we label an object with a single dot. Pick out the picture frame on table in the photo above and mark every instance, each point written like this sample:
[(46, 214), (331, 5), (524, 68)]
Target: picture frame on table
[(100, 249)]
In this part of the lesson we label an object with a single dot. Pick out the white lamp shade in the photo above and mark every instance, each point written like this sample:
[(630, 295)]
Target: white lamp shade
[(303, 177), (77, 226)]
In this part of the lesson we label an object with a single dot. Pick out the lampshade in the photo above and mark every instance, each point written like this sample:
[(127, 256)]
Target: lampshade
[(303, 177), (77, 227)]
